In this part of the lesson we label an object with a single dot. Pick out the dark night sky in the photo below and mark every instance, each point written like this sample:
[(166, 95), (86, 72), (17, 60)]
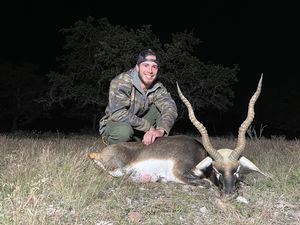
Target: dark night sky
[(231, 32), (253, 35), (260, 38)]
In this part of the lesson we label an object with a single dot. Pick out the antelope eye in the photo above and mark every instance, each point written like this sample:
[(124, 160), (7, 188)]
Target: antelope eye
[(237, 172), (218, 174)]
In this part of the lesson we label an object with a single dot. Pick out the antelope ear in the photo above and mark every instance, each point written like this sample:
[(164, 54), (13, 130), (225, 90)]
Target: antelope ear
[(204, 163), (93, 155), (247, 164)]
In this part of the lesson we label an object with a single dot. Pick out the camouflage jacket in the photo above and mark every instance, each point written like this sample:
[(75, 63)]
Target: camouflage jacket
[(129, 103)]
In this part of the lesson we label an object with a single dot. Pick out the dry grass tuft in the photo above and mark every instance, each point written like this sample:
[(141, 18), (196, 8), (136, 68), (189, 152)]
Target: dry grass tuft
[(49, 180)]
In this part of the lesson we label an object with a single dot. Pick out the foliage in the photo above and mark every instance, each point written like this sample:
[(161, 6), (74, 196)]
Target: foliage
[(96, 51), (295, 178), (205, 85), (253, 134), (19, 87)]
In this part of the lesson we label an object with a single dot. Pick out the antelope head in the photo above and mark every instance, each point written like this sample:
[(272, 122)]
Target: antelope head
[(226, 163)]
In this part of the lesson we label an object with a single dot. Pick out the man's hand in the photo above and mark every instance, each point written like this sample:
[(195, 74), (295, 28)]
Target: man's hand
[(152, 134)]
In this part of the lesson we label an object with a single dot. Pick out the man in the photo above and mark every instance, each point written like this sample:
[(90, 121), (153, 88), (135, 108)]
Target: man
[(139, 105)]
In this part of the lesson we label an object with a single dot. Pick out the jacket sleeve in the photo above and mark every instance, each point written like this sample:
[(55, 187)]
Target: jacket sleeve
[(119, 105), (168, 109)]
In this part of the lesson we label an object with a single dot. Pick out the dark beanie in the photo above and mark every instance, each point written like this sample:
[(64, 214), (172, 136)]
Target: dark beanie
[(143, 54)]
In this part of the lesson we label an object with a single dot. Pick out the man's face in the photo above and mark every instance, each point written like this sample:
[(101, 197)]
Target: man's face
[(147, 71)]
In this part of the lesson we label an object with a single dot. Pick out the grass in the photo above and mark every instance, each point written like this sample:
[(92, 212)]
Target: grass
[(47, 179)]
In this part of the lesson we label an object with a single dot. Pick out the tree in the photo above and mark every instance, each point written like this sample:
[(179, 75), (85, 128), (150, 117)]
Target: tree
[(19, 87), (205, 85), (96, 51)]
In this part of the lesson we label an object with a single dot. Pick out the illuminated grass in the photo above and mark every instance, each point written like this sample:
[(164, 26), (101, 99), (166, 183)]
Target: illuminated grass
[(49, 180)]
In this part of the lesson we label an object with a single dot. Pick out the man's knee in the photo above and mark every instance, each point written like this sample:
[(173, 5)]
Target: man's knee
[(153, 115), (118, 132)]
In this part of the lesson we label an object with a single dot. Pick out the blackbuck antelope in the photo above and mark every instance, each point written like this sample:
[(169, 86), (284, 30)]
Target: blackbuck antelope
[(181, 158)]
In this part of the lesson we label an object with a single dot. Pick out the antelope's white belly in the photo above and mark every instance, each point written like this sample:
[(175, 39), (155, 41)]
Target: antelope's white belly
[(152, 170)]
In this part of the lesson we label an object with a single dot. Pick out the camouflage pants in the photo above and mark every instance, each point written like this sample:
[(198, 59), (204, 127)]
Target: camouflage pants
[(116, 132)]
